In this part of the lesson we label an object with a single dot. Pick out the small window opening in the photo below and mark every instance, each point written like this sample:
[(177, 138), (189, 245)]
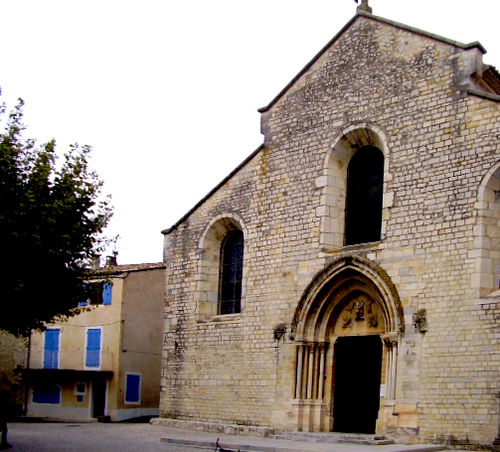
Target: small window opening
[(133, 388), (98, 293), (47, 393), (365, 180), (80, 388)]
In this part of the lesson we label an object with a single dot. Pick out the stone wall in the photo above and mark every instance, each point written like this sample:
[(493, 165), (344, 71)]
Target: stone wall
[(404, 92)]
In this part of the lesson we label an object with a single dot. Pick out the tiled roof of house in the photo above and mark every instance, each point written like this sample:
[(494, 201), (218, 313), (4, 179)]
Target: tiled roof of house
[(127, 268), (492, 78)]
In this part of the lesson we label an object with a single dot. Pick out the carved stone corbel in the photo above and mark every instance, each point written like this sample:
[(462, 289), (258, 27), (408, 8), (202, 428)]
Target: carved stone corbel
[(391, 338), (420, 320)]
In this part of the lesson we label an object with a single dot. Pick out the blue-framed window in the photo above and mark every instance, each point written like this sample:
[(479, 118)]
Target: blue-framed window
[(106, 293), (99, 293), (47, 394), (51, 349), (93, 349), (133, 388)]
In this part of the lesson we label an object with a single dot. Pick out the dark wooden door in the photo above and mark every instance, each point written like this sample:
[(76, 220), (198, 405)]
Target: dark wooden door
[(98, 397), (357, 373)]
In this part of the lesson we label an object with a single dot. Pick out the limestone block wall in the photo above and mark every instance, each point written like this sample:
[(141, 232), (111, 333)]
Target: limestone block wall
[(406, 93)]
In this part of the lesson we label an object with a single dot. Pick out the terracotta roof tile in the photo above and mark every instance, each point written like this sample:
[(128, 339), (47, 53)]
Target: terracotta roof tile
[(126, 268), (492, 78)]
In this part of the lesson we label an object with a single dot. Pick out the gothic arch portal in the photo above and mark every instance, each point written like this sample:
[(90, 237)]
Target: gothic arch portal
[(351, 303)]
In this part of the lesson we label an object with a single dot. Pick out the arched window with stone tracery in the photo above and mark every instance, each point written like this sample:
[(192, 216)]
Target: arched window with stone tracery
[(231, 272), (221, 270)]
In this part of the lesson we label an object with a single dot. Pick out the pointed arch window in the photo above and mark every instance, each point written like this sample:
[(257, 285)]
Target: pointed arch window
[(231, 271), (365, 179)]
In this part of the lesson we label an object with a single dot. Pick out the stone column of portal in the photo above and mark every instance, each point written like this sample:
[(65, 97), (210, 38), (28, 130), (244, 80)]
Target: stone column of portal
[(315, 372), (298, 379), (391, 342), (310, 348), (321, 373), (394, 353), (389, 373)]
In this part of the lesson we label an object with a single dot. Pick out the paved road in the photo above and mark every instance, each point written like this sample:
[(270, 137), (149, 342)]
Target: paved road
[(59, 437), (131, 437)]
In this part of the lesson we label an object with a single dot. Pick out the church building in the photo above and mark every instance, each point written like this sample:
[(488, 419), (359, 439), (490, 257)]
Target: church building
[(345, 276)]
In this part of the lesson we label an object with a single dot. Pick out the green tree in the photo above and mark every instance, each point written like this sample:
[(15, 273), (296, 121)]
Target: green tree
[(51, 222)]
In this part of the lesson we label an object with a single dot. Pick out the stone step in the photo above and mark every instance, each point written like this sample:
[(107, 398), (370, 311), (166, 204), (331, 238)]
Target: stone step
[(334, 437)]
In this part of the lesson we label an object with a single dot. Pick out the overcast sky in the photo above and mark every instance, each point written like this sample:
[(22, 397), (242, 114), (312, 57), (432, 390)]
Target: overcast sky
[(166, 92)]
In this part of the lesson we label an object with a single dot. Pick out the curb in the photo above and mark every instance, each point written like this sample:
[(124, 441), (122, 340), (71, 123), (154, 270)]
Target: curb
[(234, 445)]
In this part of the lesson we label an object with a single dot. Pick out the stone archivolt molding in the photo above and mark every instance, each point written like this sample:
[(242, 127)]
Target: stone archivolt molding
[(335, 285)]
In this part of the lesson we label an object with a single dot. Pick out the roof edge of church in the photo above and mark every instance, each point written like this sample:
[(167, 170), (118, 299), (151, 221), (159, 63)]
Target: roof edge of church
[(211, 192), (304, 69), (483, 95), (378, 19)]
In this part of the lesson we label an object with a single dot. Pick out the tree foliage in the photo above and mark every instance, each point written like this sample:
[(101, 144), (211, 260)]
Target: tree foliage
[(51, 223)]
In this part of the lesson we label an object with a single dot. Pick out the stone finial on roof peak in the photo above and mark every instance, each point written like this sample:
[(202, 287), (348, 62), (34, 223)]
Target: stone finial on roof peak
[(364, 7)]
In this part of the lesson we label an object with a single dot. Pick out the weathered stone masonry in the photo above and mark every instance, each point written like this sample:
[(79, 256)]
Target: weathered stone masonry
[(425, 102)]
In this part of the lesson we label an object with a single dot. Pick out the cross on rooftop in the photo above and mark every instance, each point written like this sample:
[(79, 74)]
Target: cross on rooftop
[(364, 7)]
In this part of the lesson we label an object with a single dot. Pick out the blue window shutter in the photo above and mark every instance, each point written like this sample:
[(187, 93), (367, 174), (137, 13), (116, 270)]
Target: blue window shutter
[(47, 394), (106, 293), (93, 355), (51, 349), (132, 388), (86, 302)]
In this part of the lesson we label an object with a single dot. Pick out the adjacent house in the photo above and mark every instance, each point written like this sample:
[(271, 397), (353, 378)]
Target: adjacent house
[(103, 363), (13, 358), (345, 277)]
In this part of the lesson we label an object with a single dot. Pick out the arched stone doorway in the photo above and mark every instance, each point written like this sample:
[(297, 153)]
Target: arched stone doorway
[(346, 329)]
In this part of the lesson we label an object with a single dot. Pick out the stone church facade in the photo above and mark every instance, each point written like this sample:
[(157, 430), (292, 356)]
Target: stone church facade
[(345, 277)]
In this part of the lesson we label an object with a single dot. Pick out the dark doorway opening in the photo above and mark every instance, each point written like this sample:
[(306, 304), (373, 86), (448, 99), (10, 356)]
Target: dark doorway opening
[(358, 364), (98, 397)]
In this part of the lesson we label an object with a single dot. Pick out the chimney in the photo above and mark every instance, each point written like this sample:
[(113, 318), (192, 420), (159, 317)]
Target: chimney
[(95, 262), (111, 260)]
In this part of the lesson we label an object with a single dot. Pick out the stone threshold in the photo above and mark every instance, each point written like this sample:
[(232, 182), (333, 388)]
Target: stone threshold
[(213, 427), (335, 438)]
